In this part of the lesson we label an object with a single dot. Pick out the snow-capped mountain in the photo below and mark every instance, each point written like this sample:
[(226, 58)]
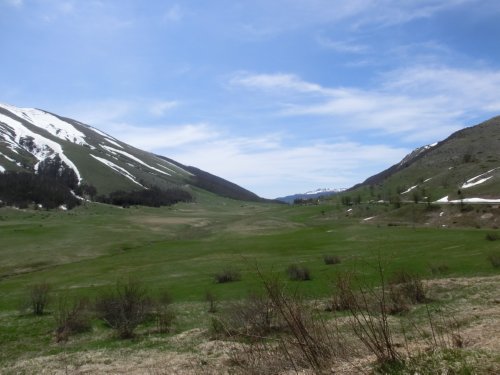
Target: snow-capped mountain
[(31, 136), (323, 192)]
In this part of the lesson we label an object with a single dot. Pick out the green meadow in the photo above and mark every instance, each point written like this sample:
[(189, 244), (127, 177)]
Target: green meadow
[(179, 249)]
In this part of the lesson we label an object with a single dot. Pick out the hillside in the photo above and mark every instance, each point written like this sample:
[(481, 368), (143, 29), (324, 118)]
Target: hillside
[(29, 137), (464, 167)]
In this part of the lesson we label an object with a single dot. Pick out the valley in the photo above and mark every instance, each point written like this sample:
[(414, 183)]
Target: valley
[(178, 249)]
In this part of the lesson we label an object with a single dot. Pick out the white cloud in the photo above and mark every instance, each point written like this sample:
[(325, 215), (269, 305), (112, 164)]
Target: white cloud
[(161, 136), (271, 168), (160, 108), (342, 46), (421, 103)]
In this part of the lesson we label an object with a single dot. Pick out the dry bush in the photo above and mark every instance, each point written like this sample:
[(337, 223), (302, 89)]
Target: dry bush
[(297, 272), (211, 300), (343, 295), (438, 269), (227, 275), (72, 316), (407, 285), (163, 313), (252, 317), (299, 338), (494, 260), (39, 297), (124, 307), (492, 236), (331, 259)]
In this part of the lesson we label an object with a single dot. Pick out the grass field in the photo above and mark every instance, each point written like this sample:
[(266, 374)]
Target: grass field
[(180, 248)]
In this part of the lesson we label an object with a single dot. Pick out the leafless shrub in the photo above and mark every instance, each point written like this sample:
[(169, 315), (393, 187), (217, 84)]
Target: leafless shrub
[(39, 296), (125, 307), (438, 269), (72, 316), (494, 260), (211, 300), (331, 259), (227, 275), (492, 236), (163, 313), (297, 272), (408, 286), (343, 295)]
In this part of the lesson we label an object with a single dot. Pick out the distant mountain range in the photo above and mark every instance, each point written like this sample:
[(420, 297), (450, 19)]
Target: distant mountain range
[(310, 195), (29, 136), (465, 167)]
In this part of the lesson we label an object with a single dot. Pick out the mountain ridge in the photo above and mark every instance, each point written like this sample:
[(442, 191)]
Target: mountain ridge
[(28, 136)]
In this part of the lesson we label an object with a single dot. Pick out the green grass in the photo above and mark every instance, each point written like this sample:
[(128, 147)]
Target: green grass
[(180, 248)]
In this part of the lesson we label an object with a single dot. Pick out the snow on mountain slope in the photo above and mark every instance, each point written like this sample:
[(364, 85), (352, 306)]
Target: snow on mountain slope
[(48, 122), (29, 136), (40, 147)]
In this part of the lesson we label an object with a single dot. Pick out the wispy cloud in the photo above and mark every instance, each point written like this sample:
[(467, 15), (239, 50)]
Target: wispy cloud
[(270, 167), (160, 108), (419, 103), (342, 46)]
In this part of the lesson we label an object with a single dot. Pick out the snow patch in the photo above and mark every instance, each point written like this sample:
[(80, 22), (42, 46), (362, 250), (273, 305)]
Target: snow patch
[(468, 185), (117, 169), (112, 142), (2, 169), (42, 149), (428, 180), (468, 200), (368, 218), (54, 125), (477, 179), (410, 189), (126, 154)]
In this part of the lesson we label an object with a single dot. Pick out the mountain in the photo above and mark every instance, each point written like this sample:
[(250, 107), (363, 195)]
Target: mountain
[(33, 138), (315, 194), (463, 167)]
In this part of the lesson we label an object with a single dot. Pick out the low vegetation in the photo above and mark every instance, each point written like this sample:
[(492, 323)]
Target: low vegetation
[(348, 316)]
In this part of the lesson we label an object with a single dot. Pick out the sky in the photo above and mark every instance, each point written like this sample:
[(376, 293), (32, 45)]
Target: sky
[(280, 97)]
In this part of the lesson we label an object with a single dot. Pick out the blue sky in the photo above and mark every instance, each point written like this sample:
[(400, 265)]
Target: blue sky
[(279, 96)]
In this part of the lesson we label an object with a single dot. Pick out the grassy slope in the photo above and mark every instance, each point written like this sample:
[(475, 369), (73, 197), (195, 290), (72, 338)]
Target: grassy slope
[(179, 249)]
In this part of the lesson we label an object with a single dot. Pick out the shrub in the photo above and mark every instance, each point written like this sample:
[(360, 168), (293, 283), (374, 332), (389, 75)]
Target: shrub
[(211, 300), (439, 268), (331, 259), (494, 260), (298, 273), (39, 295), (227, 275), (164, 313), (492, 236), (125, 307), (71, 317), (406, 285), (252, 317), (343, 296)]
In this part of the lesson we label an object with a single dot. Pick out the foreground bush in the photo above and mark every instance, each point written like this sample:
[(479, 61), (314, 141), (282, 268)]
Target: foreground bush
[(124, 307), (72, 316)]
